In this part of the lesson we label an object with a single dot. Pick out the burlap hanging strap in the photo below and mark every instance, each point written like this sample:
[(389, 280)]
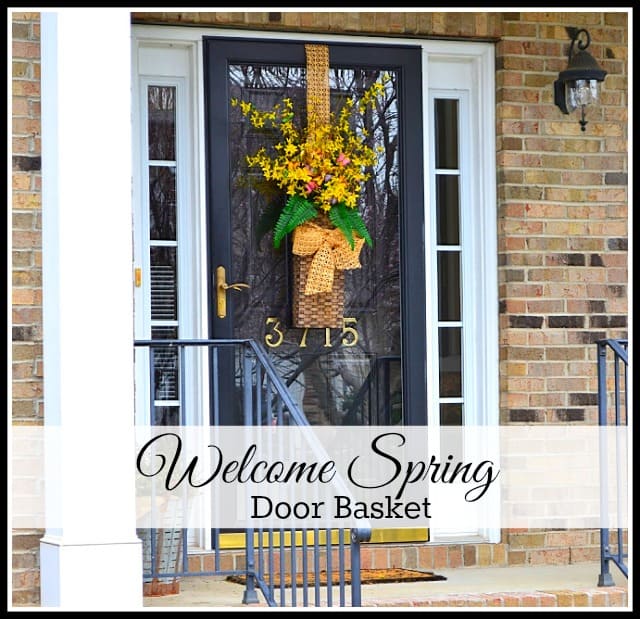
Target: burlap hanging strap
[(318, 108), (328, 246)]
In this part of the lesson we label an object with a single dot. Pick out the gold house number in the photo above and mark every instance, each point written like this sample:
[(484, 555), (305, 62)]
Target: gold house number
[(275, 335)]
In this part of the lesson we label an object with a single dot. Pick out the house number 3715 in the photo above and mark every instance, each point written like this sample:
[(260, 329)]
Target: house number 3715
[(275, 335)]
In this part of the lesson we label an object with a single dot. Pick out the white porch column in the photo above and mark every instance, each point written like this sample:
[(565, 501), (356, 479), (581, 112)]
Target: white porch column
[(94, 560)]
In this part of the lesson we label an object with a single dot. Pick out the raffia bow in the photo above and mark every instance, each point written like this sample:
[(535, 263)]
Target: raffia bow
[(330, 250)]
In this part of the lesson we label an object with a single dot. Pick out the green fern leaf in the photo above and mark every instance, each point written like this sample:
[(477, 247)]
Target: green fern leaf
[(296, 212), (339, 217), (357, 224)]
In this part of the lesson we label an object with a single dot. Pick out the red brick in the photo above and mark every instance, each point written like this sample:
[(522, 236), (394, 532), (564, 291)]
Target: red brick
[(380, 558), (617, 597), (425, 557), (513, 599), (455, 556), (440, 557), (26, 598), (547, 599)]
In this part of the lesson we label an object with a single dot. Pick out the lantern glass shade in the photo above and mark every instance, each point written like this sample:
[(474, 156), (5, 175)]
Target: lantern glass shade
[(581, 92)]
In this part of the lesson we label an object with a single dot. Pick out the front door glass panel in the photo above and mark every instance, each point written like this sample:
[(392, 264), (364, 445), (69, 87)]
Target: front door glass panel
[(349, 375)]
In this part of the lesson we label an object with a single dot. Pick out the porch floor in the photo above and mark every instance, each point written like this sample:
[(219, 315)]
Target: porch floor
[(532, 586)]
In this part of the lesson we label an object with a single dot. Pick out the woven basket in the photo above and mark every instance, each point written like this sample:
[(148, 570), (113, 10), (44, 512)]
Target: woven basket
[(324, 309)]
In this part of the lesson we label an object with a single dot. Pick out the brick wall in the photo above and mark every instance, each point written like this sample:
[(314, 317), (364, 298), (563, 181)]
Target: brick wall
[(26, 310), (562, 217), (469, 25), (562, 205)]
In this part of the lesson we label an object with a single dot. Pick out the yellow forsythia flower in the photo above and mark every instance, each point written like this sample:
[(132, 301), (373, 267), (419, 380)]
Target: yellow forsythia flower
[(325, 163)]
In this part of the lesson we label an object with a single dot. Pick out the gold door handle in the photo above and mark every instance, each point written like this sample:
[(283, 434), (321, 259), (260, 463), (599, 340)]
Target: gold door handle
[(221, 290)]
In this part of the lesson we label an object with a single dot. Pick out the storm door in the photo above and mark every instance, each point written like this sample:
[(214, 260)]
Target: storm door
[(371, 369)]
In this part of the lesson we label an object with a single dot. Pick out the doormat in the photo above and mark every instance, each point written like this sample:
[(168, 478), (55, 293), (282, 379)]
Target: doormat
[(367, 577)]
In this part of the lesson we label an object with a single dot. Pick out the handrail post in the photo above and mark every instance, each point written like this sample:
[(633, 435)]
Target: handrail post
[(605, 579), (250, 595), (620, 355), (357, 537)]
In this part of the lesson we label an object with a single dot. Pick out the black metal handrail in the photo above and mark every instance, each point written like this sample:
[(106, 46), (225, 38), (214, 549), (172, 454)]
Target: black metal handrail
[(612, 410), (265, 401)]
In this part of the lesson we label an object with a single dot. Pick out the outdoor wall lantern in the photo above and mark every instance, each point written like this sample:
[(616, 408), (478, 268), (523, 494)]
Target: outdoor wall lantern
[(578, 85)]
